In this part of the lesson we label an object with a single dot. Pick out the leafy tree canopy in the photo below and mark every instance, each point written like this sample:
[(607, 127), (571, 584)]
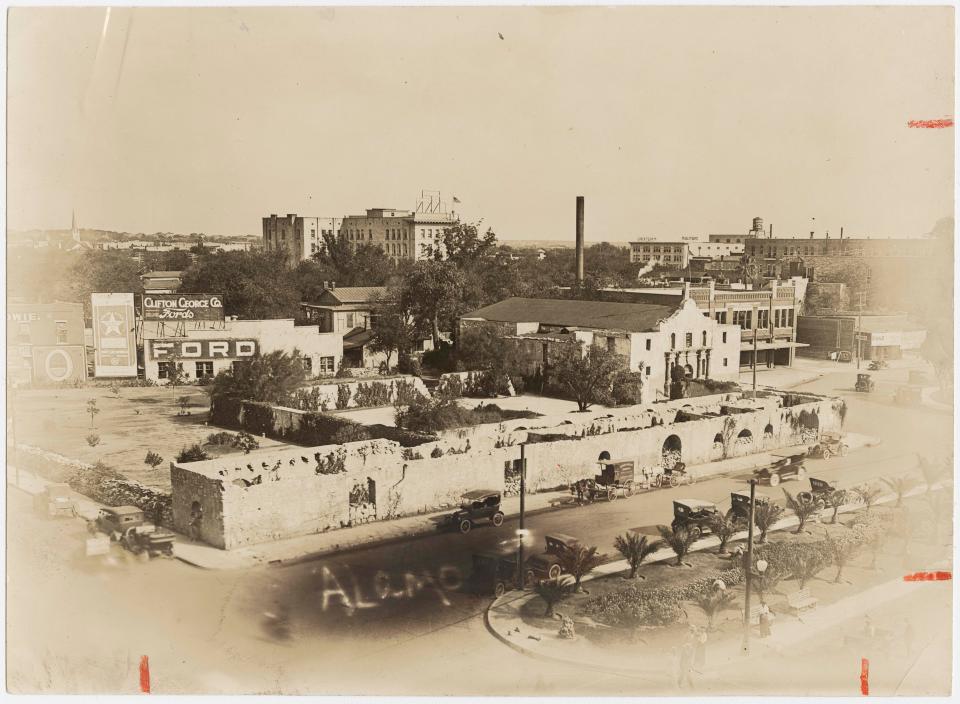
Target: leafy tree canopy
[(254, 285), (270, 378)]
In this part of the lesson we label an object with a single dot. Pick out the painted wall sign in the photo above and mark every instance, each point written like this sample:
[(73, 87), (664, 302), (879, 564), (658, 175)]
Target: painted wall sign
[(202, 349), (60, 363), (885, 339), (182, 306), (115, 351), (23, 317)]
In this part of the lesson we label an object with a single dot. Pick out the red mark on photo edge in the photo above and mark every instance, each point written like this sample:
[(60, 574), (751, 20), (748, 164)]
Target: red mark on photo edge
[(864, 676), (145, 674), (932, 124), (928, 577)]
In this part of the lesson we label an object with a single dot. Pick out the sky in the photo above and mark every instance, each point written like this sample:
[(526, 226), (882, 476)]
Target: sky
[(669, 121)]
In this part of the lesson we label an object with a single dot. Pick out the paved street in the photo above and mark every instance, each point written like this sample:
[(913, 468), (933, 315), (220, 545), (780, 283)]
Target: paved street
[(206, 629)]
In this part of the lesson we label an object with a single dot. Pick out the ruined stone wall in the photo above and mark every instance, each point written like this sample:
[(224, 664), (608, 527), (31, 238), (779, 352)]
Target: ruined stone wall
[(208, 493)]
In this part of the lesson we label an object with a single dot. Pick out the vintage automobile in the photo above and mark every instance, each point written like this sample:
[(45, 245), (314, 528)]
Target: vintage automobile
[(480, 504), (740, 504), (907, 396), (693, 514), (877, 365), (496, 572), (617, 477), (55, 500), (830, 444), (819, 490), (127, 526), (546, 565), (788, 466), (864, 383)]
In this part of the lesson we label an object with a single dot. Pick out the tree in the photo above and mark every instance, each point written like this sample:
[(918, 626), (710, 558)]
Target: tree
[(395, 329), (92, 410), (152, 460), (803, 508), (553, 591), (578, 560), (678, 540), (635, 548), (765, 582), (765, 515), (841, 550), (805, 565), (712, 602), (270, 378), (103, 271), (868, 494), (587, 375), (433, 293), (255, 285), (724, 527), (175, 375), (184, 403), (194, 453), (355, 263), (899, 486), (462, 244), (934, 472), (481, 349), (835, 499)]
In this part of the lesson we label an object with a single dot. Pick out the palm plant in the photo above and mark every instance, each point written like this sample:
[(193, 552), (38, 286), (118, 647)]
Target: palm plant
[(867, 494), (712, 602), (804, 566), (765, 514), (899, 486), (577, 560), (635, 548), (802, 506), (678, 540), (765, 582), (841, 551), (835, 499), (553, 591), (724, 526)]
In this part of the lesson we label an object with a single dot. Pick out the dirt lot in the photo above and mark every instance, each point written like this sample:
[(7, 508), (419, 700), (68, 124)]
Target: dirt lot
[(129, 425)]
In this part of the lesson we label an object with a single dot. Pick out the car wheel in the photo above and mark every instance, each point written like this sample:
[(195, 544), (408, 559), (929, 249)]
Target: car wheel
[(674, 480), (500, 589), (497, 519), (611, 495), (554, 572), (774, 479), (696, 532), (629, 489), (465, 525), (826, 454), (804, 496)]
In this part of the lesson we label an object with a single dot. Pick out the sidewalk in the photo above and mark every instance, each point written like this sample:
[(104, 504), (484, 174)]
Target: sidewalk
[(504, 620), (384, 532)]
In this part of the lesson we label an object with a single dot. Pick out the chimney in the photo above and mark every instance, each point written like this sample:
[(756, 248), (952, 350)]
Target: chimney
[(811, 234), (771, 230), (333, 285), (325, 284), (841, 233), (579, 241), (686, 289)]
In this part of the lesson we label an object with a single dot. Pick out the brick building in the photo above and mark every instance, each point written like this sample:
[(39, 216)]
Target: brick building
[(299, 236), (45, 343), (402, 234)]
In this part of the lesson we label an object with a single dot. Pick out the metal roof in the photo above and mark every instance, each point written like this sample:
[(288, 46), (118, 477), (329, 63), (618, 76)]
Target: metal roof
[(357, 294), (593, 315)]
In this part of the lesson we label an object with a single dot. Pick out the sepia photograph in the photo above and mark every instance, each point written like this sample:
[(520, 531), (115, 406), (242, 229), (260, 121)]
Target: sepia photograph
[(480, 351)]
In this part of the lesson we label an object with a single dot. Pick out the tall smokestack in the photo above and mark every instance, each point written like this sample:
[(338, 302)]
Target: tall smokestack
[(771, 230), (579, 241)]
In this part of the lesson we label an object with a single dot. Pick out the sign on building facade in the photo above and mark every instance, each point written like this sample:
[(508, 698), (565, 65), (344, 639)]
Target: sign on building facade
[(182, 306), (57, 364), (114, 335), (202, 349)]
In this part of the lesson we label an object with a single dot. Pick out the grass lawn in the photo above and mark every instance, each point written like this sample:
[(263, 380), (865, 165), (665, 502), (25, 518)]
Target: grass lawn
[(139, 420)]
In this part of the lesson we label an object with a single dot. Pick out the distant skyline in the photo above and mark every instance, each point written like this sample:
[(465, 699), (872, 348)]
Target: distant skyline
[(670, 121)]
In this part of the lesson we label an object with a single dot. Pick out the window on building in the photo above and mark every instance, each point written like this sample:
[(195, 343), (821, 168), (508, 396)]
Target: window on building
[(325, 366), (790, 317), (704, 343), (648, 344), (204, 370), (724, 337), (611, 344), (763, 318), (165, 368), (307, 363), (689, 339), (23, 332), (743, 318), (61, 332), (349, 320), (673, 340), (724, 361)]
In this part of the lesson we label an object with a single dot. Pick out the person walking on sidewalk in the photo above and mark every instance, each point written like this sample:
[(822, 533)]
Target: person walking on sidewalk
[(765, 619), (685, 665), (700, 650)]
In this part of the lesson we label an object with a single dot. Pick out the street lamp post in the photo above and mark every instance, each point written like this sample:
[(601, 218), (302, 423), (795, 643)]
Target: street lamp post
[(748, 569), (520, 531)]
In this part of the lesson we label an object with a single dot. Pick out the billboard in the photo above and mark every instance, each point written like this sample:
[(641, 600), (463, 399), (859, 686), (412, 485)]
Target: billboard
[(114, 331), (60, 363), (182, 306), (202, 349)]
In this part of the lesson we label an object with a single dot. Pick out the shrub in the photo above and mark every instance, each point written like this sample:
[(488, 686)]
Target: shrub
[(343, 396), (194, 453), (353, 432), (153, 460), (93, 439), (678, 540), (765, 515), (635, 548), (246, 442), (578, 560), (221, 438), (627, 389), (553, 591)]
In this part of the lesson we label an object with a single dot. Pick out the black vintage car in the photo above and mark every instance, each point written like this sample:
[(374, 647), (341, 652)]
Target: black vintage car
[(693, 514), (740, 504), (788, 466), (127, 525), (819, 490), (481, 504), (496, 572)]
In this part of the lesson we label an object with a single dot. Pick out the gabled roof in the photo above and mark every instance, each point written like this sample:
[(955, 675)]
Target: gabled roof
[(356, 294), (630, 317)]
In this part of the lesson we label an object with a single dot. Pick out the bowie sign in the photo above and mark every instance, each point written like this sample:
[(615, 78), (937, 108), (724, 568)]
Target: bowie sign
[(202, 349), (114, 328), (182, 306)]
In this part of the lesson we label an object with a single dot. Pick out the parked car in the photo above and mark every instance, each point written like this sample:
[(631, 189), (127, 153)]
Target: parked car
[(864, 383), (496, 572), (830, 444), (740, 504), (55, 500), (693, 514), (877, 365), (546, 565), (127, 525), (789, 466), (481, 504), (819, 490)]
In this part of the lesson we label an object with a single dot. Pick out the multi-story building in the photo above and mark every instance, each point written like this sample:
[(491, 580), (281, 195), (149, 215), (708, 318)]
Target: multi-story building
[(677, 255), (652, 338), (402, 234), (768, 315), (755, 231), (45, 343), (299, 236), (870, 335)]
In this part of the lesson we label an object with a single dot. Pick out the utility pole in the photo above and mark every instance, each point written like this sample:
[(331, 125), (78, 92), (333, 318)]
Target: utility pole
[(521, 573), (748, 570), (860, 295), (754, 362)]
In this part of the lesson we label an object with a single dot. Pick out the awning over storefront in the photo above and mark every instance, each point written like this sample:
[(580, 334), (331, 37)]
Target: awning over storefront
[(775, 345)]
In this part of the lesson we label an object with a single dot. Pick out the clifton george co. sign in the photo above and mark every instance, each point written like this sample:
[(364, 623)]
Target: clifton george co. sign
[(202, 349), (182, 306)]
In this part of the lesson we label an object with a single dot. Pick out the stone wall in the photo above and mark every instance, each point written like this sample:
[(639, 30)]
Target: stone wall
[(330, 396), (277, 493)]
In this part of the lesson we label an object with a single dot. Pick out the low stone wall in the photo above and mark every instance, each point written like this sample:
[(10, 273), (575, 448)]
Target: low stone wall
[(363, 393), (277, 493), (466, 384)]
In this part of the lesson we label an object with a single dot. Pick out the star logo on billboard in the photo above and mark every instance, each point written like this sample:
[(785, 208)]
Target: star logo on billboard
[(111, 324)]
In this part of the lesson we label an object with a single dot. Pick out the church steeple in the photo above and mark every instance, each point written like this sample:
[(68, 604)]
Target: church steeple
[(74, 230)]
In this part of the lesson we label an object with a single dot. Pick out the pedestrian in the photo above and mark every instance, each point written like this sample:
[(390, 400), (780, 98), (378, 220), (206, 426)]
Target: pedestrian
[(580, 491), (685, 665), (700, 650), (765, 619)]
